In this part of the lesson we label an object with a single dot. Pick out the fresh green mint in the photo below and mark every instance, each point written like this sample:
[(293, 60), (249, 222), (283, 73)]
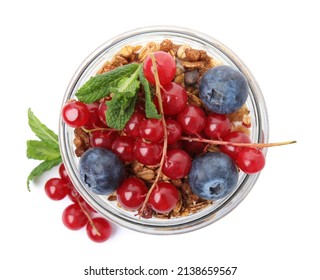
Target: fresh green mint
[(102, 85), (47, 149), (123, 83), (150, 108)]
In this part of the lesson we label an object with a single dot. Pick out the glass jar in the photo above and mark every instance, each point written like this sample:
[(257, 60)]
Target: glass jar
[(255, 103)]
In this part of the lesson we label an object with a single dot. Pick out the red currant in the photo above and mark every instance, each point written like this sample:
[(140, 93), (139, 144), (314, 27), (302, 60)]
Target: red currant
[(123, 147), (102, 138), (250, 160), (194, 147), (102, 226), (74, 196), (166, 67), (131, 193), (217, 126), (147, 153), (177, 164), (164, 197), (73, 217), (174, 98), (133, 125), (56, 188), (151, 130), (236, 137), (94, 119), (102, 112), (75, 114), (63, 173), (192, 119), (174, 131)]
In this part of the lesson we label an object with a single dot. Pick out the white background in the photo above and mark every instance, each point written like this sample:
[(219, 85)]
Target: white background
[(273, 234)]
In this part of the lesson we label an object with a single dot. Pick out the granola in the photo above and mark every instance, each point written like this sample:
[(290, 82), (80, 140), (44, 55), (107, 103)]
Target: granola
[(191, 65)]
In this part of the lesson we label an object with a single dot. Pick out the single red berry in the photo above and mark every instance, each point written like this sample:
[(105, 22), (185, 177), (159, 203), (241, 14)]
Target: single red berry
[(236, 137), (56, 188), (174, 98), (94, 119), (63, 173), (101, 230), (132, 127), (75, 114), (131, 193), (102, 112), (102, 138), (250, 160), (217, 126), (166, 67), (73, 217), (123, 147), (151, 130), (147, 153), (194, 147), (163, 198), (192, 119), (74, 196), (174, 131), (177, 164)]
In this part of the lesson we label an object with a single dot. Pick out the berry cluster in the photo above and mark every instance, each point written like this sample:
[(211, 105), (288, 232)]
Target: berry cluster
[(177, 142), (79, 214)]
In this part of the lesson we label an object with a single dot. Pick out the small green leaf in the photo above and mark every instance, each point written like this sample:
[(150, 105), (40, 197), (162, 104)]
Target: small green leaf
[(42, 150), (150, 108), (40, 130), (41, 168), (102, 85), (120, 109)]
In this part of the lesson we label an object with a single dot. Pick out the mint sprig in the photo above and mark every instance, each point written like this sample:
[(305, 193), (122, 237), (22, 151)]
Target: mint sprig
[(123, 83), (47, 149), (102, 85)]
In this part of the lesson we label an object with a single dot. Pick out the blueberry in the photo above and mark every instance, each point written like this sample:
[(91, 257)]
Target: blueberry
[(101, 170), (223, 89), (213, 176)]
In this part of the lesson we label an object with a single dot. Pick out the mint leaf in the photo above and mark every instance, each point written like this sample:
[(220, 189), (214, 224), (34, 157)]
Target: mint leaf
[(120, 109), (102, 85), (42, 150), (122, 104), (41, 130), (150, 108), (41, 168), (46, 149)]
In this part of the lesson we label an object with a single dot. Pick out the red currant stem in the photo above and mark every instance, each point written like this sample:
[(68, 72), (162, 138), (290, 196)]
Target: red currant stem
[(250, 145), (88, 216), (165, 140), (98, 129)]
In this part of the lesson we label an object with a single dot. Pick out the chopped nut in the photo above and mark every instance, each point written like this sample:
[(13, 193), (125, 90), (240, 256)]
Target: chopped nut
[(81, 141), (192, 65), (147, 49), (118, 60), (194, 99), (146, 174), (126, 51), (179, 79), (181, 53), (246, 120), (213, 148), (243, 129), (238, 115), (112, 197), (192, 54), (166, 45)]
